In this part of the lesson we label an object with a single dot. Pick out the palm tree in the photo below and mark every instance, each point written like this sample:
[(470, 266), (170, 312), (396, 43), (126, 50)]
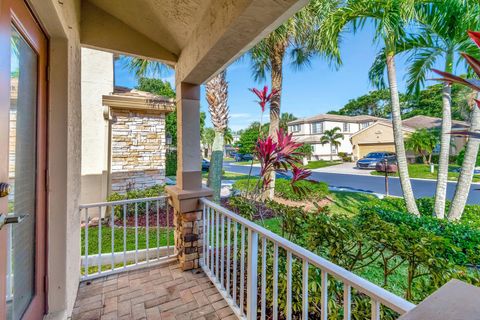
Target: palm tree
[(217, 94), (285, 118), (423, 142), (390, 18), (332, 137), (296, 36), (440, 36)]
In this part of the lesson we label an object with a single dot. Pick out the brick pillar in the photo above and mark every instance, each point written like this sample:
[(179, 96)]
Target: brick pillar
[(185, 196)]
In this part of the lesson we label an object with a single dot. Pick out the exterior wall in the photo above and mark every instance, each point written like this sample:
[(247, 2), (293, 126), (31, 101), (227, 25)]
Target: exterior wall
[(379, 133), (97, 80), (138, 149), (323, 152)]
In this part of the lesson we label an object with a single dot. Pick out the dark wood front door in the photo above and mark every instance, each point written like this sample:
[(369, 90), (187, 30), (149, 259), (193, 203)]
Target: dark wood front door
[(23, 159)]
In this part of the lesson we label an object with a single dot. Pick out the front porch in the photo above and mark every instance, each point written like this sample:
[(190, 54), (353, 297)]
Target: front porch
[(160, 292)]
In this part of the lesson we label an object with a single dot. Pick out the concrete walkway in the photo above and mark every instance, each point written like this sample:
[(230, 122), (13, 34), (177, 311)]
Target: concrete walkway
[(345, 168)]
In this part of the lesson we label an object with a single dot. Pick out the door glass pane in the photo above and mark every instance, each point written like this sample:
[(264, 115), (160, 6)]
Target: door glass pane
[(22, 174)]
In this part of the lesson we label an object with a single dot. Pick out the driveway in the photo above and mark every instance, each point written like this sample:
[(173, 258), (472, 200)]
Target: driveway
[(345, 168)]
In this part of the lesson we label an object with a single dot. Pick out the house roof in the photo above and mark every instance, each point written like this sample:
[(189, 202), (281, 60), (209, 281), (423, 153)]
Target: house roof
[(426, 122), (336, 117)]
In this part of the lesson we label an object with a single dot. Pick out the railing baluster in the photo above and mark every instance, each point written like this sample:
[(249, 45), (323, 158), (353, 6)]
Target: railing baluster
[(235, 250), (275, 281), (99, 256), (375, 309), (217, 245), (168, 227), (264, 279), (324, 304), (228, 256), (242, 268), (86, 241), (147, 224), (158, 231), (212, 256), (347, 301), (113, 236), (305, 290), (204, 236), (136, 233), (252, 275), (289, 285), (222, 255), (124, 235)]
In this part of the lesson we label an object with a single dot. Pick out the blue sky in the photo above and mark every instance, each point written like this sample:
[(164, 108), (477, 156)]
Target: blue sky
[(312, 90)]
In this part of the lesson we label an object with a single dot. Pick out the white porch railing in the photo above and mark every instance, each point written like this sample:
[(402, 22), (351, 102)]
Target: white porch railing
[(120, 229), (221, 264)]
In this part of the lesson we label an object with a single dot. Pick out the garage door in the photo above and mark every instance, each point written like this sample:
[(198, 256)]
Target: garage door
[(364, 149)]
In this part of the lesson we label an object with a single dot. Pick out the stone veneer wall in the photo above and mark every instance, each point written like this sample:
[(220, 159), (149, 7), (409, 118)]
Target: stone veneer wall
[(138, 149)]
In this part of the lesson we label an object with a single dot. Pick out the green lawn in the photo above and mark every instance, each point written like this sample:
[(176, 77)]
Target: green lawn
[(227, 175), (321, 164), (118, 243), (423, 171), (246, 163)]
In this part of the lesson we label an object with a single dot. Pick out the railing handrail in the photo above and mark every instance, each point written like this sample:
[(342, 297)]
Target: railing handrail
[(120, 202), (387, 298)]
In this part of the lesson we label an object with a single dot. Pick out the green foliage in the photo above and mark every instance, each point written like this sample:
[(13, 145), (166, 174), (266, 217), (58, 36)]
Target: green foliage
[(208, 137), (154, 191), (156, 86), (283, 189), (171, 163), (461, 157), (244, 207), (248, 140), (423, 142), (375, 103)]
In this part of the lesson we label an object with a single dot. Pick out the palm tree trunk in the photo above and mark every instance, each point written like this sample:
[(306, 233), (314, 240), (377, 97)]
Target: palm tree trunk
[(216, 165), (468, 167), (331, 152), (398, 137), (276, 61), (445, 138)]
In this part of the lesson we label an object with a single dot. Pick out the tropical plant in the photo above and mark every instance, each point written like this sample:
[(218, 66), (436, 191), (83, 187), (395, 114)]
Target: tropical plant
[(391, 18), (471, 151), (285, 118), (423, 142), (441, 34), (296, 36), (228, 136), (217, 95), (333, 138)]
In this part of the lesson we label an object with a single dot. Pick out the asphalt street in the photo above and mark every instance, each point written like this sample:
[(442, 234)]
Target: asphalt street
[(374, 184)]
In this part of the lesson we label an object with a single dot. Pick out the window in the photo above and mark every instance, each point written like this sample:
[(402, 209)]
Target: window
[(363, 125), (317, 127), (346, 127), (295, 128)]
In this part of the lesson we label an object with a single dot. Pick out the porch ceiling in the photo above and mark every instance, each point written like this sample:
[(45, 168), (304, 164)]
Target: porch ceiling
[(199, 37)]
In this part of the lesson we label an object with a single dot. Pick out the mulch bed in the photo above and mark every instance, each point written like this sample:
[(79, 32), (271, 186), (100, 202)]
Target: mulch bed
[(152, 219), (262, 212)]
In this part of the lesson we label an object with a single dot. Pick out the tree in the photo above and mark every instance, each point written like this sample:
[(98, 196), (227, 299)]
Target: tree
[(228, 136), (466, 175), (285, 118), (423, 142), (375, 103), (441, 34), (391, 18), (217, 95), (332, 137), (248, 140), (208, 138), (296, 36)]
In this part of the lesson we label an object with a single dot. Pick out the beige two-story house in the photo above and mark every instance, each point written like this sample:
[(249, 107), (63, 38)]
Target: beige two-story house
[(311, 129)]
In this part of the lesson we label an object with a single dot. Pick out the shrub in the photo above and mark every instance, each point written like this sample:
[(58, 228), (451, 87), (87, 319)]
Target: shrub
[(171, 163), (154, 191), (461, 156), (283, 189)]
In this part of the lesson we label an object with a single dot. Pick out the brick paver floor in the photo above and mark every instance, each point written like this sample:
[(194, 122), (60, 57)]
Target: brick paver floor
[(161, 292)]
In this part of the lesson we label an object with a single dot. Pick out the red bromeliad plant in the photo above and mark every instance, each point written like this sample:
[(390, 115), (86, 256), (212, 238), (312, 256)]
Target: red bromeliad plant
[(471, 83), (264, 96), (280, 156)]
